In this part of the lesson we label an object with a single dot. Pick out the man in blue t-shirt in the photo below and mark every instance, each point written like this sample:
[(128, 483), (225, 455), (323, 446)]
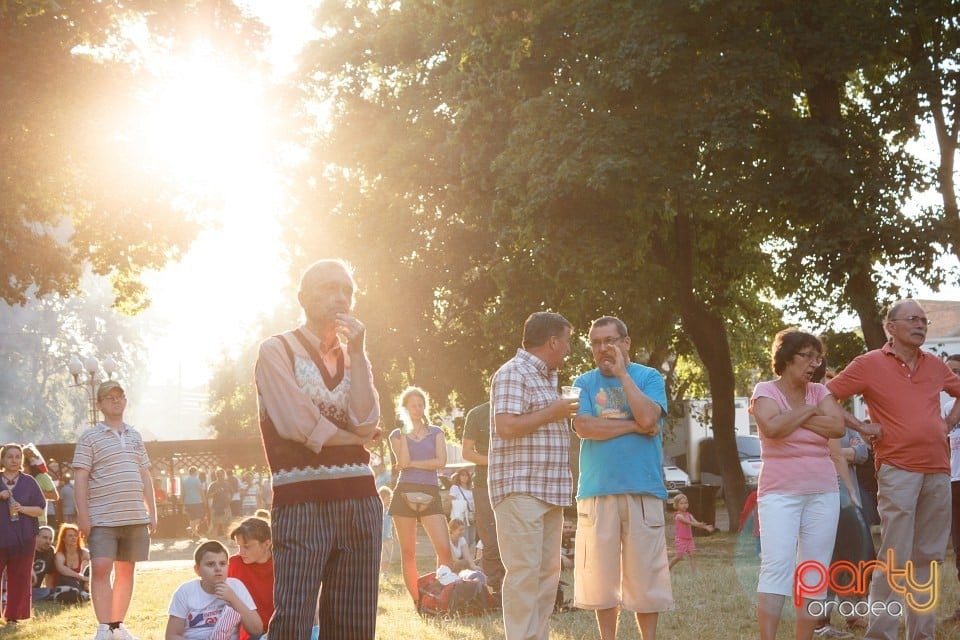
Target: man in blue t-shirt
[(621, 490)]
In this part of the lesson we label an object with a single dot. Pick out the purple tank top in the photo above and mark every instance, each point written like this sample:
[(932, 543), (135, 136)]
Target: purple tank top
[(425, 449)]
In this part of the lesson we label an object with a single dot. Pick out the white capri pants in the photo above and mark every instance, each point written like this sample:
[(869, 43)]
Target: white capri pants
[(795, 528)]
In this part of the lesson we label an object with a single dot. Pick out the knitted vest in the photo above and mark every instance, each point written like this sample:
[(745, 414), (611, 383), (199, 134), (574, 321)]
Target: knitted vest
[(337, 472)]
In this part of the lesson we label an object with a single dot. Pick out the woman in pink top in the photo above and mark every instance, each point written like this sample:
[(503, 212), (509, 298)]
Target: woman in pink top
[(798, 500)]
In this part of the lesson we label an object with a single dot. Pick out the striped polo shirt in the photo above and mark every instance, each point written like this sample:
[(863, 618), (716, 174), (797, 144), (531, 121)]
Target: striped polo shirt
[(114, 460)]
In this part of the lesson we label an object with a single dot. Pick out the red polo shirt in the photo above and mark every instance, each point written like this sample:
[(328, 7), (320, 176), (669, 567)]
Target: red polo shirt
[(905, 403)]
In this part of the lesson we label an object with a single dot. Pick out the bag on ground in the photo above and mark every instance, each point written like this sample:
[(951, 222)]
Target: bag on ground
[(67, 595), (462, 597)]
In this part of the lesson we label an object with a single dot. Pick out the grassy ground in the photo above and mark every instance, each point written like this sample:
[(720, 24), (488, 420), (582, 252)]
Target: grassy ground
[(715, 603)]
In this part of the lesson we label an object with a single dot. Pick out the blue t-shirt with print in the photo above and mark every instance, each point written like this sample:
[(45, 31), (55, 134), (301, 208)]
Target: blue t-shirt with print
[(630, 463)]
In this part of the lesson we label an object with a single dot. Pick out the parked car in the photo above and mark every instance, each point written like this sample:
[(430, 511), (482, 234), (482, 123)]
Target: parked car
[(674, 477), (748, 450)]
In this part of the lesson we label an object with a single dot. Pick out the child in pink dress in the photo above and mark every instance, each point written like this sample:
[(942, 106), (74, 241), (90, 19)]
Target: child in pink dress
[(683, 545)]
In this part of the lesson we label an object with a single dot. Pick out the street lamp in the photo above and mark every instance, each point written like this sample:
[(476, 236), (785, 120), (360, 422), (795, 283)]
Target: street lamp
[(91, 367)]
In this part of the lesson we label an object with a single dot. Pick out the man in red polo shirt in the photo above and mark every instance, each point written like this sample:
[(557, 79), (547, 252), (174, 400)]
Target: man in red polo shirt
[(901, 385)]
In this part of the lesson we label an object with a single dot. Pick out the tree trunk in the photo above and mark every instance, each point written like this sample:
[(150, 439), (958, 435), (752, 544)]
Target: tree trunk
[(929, 81), (861, 292), (824, 96), (707, 331)]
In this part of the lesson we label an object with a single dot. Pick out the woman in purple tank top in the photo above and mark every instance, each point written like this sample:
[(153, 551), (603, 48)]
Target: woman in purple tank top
[(420, 450)]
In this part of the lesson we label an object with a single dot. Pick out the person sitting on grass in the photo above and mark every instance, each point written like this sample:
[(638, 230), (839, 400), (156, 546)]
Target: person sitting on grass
[(683, 540), (459, 549), (72, 560), (214, 606), (253, 566), (44, 574)]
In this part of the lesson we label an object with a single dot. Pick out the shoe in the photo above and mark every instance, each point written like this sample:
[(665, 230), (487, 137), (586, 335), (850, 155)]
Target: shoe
[(103, 633), (826, 631), (121, 633)]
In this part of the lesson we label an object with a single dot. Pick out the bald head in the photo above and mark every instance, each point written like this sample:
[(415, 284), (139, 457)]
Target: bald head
[(326, 289), (323, 270)]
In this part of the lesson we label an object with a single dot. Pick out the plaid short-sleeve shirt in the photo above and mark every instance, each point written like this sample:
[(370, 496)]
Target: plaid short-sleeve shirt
[(537, 464)]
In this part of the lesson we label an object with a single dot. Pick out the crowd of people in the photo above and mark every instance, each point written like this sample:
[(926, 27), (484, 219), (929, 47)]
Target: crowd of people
[(311, 562)]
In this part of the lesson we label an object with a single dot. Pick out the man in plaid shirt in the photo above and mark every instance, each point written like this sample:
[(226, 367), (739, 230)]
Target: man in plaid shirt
[(529, 472)]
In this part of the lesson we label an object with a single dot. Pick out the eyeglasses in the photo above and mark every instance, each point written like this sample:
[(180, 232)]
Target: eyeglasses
[(606, 342), (921, 320), (811, 356)]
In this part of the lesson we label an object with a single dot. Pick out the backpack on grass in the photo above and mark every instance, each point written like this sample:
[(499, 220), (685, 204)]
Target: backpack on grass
[(68, 595), (463, 597)]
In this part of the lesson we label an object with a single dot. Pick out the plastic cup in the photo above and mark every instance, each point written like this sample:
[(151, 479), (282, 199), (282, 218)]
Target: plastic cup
[(570, 392)]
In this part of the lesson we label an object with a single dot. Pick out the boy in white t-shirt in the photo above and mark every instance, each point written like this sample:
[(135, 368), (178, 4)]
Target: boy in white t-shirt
[(214, 606)]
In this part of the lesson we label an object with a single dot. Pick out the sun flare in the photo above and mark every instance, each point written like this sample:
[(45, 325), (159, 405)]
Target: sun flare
[(203, 128), (203, 125)]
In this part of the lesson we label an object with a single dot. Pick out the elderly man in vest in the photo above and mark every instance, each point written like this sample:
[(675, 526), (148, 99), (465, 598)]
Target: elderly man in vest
[(318, 408)]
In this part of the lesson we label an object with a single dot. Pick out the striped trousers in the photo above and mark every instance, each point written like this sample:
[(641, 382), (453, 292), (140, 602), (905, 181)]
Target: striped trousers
[(330, 551)]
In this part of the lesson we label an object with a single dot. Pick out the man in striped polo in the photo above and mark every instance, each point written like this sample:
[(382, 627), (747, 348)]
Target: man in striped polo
[(318, 408), (116, 508)]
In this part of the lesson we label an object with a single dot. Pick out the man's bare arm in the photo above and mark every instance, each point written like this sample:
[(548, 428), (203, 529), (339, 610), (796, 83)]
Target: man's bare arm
[(509, 425), (470, 453)]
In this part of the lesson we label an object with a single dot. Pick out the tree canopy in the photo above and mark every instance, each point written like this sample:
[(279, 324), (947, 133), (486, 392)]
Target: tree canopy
[(75, 193), (681, 165)]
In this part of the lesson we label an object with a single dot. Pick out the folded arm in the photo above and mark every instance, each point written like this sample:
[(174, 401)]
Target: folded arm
[(825, 419), (776, 424), (592, 428)]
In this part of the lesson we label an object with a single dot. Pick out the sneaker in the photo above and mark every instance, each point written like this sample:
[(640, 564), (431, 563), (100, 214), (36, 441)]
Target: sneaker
[(121, 633), (103, 633), (826, 631)]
